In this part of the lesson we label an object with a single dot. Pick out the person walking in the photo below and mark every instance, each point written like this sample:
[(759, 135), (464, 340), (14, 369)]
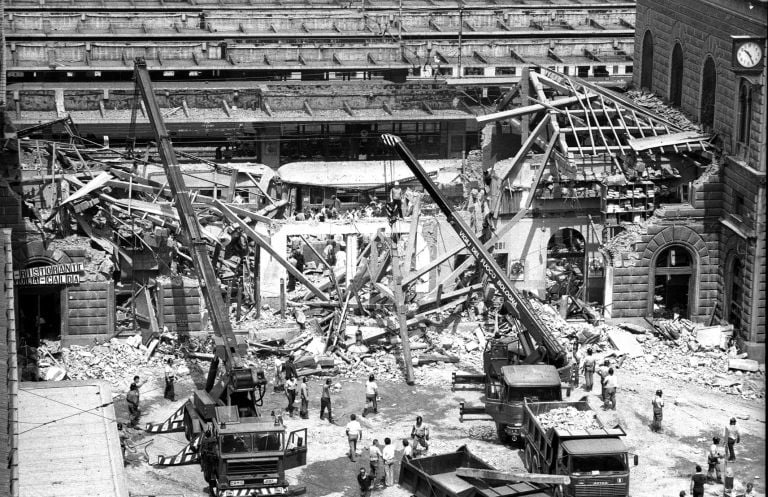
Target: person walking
[(374, 459), (290, 392), (170, 378), (589, 370), (354, 434), (610, 390), (732, 437), (133, 404), (325, 401), (365, 481), (420, 435), (697, 482), (371, 392), (658, 411), (602, 372), (388, 455), (713, 461), (304, 393)]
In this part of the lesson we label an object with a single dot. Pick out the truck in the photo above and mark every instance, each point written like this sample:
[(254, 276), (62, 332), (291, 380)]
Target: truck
[(505, 393), (438, 476), (240, 452), (533, 344), (592, 455)]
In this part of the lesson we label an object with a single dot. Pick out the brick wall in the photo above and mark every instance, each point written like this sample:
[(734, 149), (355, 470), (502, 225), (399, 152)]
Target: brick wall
[(178, 305), (6, 328)]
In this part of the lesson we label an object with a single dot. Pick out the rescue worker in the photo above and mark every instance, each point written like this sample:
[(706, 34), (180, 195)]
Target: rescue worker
[(658, 411), (123, 438), (354, 434), (396, 200), (732, 437), (371, 392), (290, 369), (374, 458), (304, 392), (420, 435), (325, 401), (697, 483), (610, 390), (578, 357), (589, 370), (713, 460), (290, 393), (388, 455), (133, 405), (170, 378), (366, 483), (602, 372)]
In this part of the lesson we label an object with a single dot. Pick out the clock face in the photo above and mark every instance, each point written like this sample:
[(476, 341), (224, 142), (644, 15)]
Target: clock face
[(749, 54)]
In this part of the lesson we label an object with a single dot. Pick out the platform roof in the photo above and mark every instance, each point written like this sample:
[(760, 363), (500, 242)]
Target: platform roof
[(69, 444)]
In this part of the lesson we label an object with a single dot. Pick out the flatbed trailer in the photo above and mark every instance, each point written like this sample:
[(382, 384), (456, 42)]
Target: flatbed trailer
[(435, 476)]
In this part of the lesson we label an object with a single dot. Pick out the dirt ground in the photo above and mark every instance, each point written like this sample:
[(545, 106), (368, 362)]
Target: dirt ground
[(666, 460)]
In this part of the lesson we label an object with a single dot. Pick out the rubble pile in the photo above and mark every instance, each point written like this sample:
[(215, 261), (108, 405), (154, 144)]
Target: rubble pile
[(568, 418), (656, 105), (687, 359)]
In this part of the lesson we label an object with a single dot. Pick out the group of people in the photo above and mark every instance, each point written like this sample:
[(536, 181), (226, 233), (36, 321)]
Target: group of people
[(133, 397), (382, 459), (607, 374)]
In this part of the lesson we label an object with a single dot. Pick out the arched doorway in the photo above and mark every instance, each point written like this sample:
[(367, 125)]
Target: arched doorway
[(708, 92), (673, 290), (566, 251), (735, 292), (646, 68), (676, 76)]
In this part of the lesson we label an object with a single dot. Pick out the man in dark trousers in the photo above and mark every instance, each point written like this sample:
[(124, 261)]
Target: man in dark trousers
[(732, 436), (713, 461), (602, 372), (697, 482), (589, 370), (304, 393), (658, 411), (290, 369), (133, 405), (366, 483), (325, 401)]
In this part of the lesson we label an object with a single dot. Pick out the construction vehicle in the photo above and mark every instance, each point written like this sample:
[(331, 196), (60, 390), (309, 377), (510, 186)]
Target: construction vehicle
[(240, 452), (594, 457), (441, 476), (534, 343)]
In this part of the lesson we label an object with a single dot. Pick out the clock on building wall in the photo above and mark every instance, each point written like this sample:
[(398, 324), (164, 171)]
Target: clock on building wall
[(748, 54)]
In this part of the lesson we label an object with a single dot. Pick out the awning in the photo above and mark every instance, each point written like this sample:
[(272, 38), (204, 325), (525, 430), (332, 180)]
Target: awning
[(356, 174)]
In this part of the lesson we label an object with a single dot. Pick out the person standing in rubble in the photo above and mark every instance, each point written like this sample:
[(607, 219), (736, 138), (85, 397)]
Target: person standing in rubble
[(371, 392), (732, 437), (611, 384), (329, 254), (170, 378), (133, 405), (658, 411), (578, 357), (290, 368), (388, 455), (325, 401), (374, 457), (279, 385), (396, 200), (589, 370), (304, 392), (602, 372), (420, 435), (297, 260), (354, 435), (713, 461), (290, 392), (697, 483)]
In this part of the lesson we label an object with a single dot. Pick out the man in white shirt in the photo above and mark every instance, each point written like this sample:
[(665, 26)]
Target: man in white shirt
[(610, 390), (374, 457), (290, 392), (354, 434), (371, 392), (388, 454)]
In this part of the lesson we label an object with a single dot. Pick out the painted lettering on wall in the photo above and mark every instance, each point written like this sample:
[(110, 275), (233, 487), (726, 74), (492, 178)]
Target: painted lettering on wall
[(60, 274)]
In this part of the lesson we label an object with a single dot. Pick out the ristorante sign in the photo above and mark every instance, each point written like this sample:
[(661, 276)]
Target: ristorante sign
[(60, 274)]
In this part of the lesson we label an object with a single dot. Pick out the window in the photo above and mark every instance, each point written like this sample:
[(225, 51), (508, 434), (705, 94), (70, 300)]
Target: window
[(603, 462), (745, 112), (646, 67), (676, 76), (583, 71), (506, 71), (738, 206), (473, 71), (708, 92)]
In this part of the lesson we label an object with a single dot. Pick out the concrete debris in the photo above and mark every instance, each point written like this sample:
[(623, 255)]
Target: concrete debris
[(569, 418), (655, 104)]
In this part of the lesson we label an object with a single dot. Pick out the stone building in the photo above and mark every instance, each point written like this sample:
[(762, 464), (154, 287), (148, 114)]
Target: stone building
[(707, 58)]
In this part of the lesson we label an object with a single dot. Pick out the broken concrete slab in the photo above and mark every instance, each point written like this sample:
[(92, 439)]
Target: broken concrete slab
[(276, 334), (743, 365), (625, 343), (709, 337)]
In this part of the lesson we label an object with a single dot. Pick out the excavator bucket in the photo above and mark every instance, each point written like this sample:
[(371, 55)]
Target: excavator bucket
[(173, 423), (188, 455)]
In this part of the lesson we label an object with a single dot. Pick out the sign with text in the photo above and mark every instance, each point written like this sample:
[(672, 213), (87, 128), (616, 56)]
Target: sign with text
[(60, 274)]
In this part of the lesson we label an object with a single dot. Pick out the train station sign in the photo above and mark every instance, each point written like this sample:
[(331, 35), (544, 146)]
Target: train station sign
[(60, 274)]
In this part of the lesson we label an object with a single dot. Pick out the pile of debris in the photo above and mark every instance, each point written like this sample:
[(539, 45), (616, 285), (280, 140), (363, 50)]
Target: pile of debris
[(681, 350), (568, 418), (655, 104)]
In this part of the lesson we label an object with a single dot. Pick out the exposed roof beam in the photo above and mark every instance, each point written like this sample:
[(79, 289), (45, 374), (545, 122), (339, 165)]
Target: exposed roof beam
[(347, 108), (387, 109), (308, 109)]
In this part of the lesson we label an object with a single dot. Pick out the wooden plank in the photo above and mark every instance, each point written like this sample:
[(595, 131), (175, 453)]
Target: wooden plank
[(263, 243), (397, 287), (519, 476), (530, 109), (93, 185), (640, 144), (413, 231)]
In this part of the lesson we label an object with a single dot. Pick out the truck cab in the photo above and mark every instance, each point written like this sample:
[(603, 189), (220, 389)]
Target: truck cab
[(250, 453), (596, 467), (504, 397)]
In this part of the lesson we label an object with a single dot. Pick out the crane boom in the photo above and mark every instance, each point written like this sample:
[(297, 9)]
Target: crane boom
[(512, 296), (206, 276)]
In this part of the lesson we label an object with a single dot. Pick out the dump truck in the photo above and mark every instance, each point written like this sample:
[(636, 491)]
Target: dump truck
[(505, 393), (439, 476), (568, 438)]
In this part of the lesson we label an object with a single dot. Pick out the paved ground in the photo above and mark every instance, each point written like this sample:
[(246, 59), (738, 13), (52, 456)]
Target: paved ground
[(666, 460)]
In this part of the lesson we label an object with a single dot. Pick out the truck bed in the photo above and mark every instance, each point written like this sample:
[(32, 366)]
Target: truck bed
[(435, 476), (536, 409)]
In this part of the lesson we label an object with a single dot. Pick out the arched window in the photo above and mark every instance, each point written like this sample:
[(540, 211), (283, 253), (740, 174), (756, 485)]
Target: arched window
[(673, 282), (646, 69), (745, 111), (676, 76), (708, 93)]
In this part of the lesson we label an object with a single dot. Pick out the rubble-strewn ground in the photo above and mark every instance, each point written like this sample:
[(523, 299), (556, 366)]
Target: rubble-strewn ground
[(692, 415)]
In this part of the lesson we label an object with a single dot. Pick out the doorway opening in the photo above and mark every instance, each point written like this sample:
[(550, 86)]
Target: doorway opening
[(676, 76), (40, 314), (673, 283), (566, 252), (646, 70), (736, 293)]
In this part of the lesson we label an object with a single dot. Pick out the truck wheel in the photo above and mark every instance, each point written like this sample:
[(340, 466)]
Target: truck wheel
[(528, 459), (501, 431), (187, 426)]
